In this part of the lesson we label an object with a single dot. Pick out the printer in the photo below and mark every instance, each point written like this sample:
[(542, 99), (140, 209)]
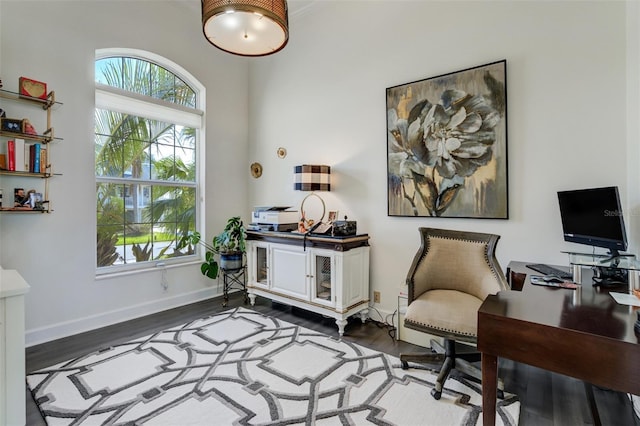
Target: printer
[(274, 218)]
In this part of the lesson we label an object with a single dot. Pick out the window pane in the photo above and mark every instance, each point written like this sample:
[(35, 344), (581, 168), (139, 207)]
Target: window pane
[(110, 203), (164, 87), (109, 157), (186, 137), (174, 213), (135, 76), (106, 245), (110, 222), (107, 72), (137, 159), (184, 94), (138, 243)]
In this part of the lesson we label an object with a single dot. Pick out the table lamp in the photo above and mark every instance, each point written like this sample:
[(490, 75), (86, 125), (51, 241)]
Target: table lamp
[(312, 178)]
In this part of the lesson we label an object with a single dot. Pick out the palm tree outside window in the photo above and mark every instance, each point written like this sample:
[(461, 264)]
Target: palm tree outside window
[(148, 121)]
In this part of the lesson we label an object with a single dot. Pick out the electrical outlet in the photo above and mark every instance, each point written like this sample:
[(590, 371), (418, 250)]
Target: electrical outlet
[(376, 297)]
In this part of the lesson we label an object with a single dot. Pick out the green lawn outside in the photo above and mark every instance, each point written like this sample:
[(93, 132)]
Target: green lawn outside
[(142, 239)]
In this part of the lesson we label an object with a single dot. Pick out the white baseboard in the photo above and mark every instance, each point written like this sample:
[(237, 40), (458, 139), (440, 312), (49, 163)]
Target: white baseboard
[(68, 328)]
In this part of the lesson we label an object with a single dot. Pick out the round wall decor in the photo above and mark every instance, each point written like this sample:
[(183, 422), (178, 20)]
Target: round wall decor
[(256, 170), (282, 152)]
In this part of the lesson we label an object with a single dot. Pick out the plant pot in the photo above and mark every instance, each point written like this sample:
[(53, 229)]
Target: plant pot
[(231, 261)]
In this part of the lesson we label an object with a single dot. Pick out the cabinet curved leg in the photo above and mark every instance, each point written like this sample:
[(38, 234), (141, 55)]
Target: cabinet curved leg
[(341, 323), (364, 315), (252, 299)]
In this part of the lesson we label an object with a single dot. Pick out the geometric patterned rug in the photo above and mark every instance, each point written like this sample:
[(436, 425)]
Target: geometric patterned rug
[(240, 367)]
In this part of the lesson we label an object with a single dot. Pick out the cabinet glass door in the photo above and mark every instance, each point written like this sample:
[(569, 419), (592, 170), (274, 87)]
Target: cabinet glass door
[(258, 265), (261, 265), (322, 279)]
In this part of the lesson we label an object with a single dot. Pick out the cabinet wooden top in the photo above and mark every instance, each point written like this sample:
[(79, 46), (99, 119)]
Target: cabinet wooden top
[(311, 241)]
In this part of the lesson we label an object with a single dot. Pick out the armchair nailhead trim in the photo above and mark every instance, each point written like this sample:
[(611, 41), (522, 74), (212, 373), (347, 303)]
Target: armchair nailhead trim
[(442, 329)]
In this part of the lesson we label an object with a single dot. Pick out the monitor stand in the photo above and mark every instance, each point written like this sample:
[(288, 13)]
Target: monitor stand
[(615, 255), (604, 276), (607, 282)]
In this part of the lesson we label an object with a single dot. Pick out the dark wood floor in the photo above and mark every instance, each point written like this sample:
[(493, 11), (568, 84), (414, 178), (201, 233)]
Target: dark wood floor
[(546, 398)]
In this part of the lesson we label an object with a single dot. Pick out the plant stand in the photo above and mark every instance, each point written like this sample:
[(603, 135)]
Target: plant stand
[(234, 279)]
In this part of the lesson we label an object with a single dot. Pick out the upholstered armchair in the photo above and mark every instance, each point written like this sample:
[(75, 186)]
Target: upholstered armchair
[(451, 275)]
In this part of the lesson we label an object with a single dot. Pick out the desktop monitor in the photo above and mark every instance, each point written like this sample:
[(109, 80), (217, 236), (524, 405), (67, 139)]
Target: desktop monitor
[(593, 217)]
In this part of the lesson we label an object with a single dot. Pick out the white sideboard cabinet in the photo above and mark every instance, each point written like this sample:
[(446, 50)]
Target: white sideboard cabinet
[(12, 358), (326, 275)]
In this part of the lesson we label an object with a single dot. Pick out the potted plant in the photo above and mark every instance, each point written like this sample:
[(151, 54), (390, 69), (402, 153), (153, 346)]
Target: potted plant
[(229, 245)]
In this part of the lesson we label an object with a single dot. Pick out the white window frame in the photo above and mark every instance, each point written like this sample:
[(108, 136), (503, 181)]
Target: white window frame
[(115, 99)]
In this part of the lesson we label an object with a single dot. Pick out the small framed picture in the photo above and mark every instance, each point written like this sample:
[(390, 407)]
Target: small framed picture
[(35, 201), (333, 215), (11, 125)]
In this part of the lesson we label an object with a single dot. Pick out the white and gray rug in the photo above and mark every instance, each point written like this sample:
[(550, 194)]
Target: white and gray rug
[(240, 367)]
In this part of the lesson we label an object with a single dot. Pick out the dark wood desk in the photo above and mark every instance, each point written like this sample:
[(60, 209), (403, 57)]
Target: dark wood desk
[(579, 333)]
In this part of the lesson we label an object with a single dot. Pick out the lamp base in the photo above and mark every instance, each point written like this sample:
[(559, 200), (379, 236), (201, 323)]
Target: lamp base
[(305, 223)]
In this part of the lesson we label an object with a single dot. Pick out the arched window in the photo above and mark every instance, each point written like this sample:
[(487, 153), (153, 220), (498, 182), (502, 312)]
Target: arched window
[(148, 124)]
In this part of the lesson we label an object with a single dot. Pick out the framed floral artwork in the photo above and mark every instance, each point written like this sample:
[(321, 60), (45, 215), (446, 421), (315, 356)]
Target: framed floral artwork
[(447, 145)]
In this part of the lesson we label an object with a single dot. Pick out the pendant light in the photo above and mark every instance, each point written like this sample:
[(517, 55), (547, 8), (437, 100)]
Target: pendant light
[(246, 27)]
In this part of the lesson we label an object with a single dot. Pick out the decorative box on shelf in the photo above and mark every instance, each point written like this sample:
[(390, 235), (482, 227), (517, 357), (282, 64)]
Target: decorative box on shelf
[(344, 228), (32, 88)]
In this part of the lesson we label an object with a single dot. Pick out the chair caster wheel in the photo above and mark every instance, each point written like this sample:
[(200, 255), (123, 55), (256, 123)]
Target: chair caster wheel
[(405, 365), (436, 394), (500, 394)]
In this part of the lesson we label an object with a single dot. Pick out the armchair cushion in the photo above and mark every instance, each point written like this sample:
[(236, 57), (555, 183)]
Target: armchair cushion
[(451, 312)]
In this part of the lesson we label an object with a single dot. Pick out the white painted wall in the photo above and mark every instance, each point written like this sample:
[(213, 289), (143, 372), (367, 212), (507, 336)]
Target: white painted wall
[(323, 99), (572, 71), (55, 42)]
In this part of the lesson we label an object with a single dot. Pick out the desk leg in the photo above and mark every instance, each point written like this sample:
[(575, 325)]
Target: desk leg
[(588, 389), (489, 389)]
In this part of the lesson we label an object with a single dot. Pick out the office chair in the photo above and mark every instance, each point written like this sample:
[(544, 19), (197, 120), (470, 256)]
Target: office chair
[(451, 275)]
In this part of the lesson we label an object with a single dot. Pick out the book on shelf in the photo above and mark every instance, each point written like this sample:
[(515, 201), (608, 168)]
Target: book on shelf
[(27, 157), (34, 155), (19, 147), (11, 155), (43, 160)]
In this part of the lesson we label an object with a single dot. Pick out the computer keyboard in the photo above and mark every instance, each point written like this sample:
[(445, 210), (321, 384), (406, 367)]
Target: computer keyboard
[(550, 270)]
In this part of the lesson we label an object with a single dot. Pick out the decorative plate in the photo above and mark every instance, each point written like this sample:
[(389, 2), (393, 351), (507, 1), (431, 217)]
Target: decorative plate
[(282, 152), (256, 170)]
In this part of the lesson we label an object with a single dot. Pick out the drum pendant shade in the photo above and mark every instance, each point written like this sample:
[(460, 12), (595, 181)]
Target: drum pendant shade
[(246, 27)]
